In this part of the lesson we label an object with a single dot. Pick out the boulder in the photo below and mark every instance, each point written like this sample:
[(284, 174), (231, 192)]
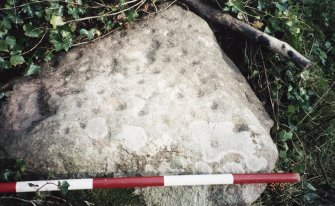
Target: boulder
[(160, 98)]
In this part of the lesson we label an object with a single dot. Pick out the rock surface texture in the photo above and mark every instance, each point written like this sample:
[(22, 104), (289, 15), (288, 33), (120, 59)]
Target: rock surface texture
[(157, 99)]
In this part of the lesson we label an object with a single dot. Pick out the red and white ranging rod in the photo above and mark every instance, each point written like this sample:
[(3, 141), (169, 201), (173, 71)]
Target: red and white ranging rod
[(149, 181)]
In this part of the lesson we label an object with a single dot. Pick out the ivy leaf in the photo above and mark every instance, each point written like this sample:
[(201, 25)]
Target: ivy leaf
[(16, 59), (328, 45), (291, 109), (28, 10), (75, 12), (30, 31), (289, 23), (16, 19), (122, 2), (3, 46), (234, 5), (240, 15), (230, 3), (32, 70), (5, 176), (73, 27), (282, 154), (65, 33), (56, 21), (67, 44), (63, 187), (55, 9), (267, 30), (5, 23), (261, 5), (20, 165), (285, 136), (89, 33), (109, 25), (48, 56), (4, 64), (39, 14), (86, 33), (2, 61), (281, 6), (10, 41), (131, 15), (311, 187), (58, 42)]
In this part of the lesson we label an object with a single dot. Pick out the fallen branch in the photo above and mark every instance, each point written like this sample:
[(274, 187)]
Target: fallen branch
[(270, 42)]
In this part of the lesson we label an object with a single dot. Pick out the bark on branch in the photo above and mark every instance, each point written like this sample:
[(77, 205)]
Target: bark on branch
[(272, 43)]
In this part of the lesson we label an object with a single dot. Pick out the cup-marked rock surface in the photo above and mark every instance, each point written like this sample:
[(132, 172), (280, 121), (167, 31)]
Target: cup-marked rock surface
[(157, 99)]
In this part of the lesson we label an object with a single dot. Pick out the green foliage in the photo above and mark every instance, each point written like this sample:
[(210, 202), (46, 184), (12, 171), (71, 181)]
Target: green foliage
[(89, 33), (63, 187), (301, 103), (33, 69), (131, 15), (285, 136), (16, 59), (236, 6), (32, 31), (11, 170)]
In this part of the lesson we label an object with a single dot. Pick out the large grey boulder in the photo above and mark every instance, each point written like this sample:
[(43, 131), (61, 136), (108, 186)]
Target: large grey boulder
[(157, 99)]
